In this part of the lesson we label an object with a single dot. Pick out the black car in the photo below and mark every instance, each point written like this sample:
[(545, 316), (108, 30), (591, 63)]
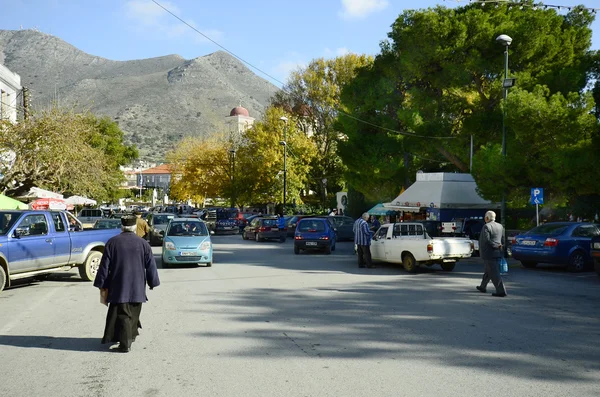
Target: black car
[(263, 228), (158, 223), (343, 226)]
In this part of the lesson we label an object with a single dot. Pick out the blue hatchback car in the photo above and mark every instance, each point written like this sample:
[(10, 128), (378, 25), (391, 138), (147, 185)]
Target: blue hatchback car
[(314, 234), (187, 240), (561, 243)]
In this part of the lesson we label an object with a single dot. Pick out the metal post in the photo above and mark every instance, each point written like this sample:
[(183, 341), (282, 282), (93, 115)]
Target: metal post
[(284, 168), (233, 178), (505, 95)]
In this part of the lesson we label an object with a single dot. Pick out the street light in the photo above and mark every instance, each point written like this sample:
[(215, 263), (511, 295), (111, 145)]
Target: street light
[(232, 151), (504, 40), (284, 143)]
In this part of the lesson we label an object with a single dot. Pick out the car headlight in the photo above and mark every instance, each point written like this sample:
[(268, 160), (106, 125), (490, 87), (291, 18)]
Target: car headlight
[(170, 246), (597, 246), (205, 245)]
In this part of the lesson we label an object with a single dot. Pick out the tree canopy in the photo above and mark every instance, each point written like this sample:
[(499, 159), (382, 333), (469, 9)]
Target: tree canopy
[(438, 82), (63, 151)]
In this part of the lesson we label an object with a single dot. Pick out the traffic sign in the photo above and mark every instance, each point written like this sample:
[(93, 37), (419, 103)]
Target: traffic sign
[(537, 195)]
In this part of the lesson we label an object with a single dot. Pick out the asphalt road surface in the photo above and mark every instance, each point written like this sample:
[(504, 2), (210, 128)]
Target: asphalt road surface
[(265, 322)]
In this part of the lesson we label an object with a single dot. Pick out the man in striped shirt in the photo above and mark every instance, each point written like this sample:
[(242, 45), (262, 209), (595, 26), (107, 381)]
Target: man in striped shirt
[(362, 239)]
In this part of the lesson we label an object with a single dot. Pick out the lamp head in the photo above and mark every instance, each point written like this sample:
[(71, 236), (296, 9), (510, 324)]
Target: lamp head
[(504, 39)]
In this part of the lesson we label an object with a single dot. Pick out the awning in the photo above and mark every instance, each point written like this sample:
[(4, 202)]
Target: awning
[(37, 193), (79, 200), (386, 209), (7, 203), (402, 208), (50, 204)]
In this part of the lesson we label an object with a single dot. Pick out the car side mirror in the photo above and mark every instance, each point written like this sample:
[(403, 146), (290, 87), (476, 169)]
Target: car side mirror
[(17, 233)]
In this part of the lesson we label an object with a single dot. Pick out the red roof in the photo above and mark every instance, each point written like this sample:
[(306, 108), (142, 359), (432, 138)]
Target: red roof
[(161, 169)]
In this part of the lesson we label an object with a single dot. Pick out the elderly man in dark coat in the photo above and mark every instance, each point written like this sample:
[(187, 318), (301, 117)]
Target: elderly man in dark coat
[(491, 250), (126, 266)]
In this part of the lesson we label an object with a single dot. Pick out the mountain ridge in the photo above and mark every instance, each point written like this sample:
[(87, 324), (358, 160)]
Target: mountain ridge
[(156, 101)]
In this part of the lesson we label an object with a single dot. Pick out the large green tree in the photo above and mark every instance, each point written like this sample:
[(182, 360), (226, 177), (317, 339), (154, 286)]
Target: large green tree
[(444, 71), (63, 151), (312, 94)]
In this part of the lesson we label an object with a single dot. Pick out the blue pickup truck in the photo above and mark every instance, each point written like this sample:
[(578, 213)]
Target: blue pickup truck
[(33, 243)]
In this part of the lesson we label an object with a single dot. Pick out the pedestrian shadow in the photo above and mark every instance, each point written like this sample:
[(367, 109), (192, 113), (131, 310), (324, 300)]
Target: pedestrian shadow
[(53, 343)]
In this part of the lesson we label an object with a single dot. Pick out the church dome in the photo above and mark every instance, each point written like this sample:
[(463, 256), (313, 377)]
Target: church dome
[(239, 111)]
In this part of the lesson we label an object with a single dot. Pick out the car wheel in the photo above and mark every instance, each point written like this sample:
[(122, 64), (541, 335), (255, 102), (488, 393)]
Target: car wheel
[(577, 262), (2, 278), (333, 247), (296, 250), (409, 263), (89, 268), (596, 267), (328, 249), (244, 237), (209, 264), (448, 266), (529, 265)]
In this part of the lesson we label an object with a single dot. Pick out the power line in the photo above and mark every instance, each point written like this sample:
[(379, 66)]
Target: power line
[(521, 5), (283, 84)]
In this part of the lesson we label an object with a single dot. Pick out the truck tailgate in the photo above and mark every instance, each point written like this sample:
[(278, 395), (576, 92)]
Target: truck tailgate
[(451, 247)]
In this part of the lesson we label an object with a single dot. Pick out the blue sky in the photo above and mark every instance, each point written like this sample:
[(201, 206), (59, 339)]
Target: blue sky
[(276, 36)]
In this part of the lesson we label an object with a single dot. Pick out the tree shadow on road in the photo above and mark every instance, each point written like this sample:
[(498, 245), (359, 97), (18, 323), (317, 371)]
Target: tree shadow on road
[(54, 343), (423, 318)]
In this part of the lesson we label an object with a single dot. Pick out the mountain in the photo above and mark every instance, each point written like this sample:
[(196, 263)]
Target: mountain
[(156, 101)]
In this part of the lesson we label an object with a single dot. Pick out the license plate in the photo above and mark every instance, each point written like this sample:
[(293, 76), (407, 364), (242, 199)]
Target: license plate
[(188, 253), (313, 243), (528, 242)]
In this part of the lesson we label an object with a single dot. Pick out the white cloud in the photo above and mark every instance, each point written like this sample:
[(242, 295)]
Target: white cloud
[(148, 18), (352, 9)]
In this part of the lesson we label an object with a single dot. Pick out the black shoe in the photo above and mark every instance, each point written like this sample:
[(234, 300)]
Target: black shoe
[(498, 295), (481, 289)]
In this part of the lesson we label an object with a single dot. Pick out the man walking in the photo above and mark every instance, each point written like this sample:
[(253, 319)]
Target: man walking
[(126, 266), (282, 228), (142, 227), (362, 239), (491, 250)]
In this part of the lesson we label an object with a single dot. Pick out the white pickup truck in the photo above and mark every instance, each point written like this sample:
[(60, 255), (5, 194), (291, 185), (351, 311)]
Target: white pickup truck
[(409, 244)]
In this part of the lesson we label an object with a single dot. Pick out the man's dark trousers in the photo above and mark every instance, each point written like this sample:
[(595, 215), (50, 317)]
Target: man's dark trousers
[(364, 255), (492, 272)]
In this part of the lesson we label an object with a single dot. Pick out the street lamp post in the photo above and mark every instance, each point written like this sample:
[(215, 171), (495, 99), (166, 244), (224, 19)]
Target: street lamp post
[(232, 151), (284, 143), (506, 84)]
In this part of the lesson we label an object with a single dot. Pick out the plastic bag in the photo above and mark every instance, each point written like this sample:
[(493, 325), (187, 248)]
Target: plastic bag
[(503, 266)]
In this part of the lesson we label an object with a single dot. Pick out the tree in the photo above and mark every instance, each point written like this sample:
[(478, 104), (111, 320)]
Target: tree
[(444, 71), (63, 151), (260, 160), (200, 168), (312, 94)]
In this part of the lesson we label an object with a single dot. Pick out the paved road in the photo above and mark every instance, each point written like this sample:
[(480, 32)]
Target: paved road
[(265, 322)]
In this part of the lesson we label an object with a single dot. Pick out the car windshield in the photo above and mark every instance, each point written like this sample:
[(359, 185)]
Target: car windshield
[(162, 219), (227, 214), (549, 229), (269, 222), (187, 228), (311, 226), (107, 224), (7, 219)]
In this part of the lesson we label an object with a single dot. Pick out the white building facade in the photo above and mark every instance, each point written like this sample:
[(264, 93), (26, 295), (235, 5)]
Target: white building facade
[(10, 92)]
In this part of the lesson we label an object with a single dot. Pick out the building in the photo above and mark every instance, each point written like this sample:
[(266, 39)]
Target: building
[(157, 177), (10, 92)]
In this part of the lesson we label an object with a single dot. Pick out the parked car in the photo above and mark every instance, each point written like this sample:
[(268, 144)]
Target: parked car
[(343, 225), (595, 250), (90, 215), (314, 234), (158, 223), (187, 240), (409, 244), (262, 228), (561, 243), (40, 242), (107, 224)]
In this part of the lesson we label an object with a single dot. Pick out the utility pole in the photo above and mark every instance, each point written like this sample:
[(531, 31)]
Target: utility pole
[(25, 103), (232, 151), (284, 143)]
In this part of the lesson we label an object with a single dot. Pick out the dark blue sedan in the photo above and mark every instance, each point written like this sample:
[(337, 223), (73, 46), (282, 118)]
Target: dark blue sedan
[(561, 243), (314, 234)]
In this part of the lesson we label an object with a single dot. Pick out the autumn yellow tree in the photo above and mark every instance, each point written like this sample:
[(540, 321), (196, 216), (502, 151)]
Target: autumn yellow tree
[(259, 161), (201, 168)]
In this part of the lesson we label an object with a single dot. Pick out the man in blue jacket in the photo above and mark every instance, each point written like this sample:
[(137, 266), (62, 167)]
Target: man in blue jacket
[(127, 265), (362, 240)]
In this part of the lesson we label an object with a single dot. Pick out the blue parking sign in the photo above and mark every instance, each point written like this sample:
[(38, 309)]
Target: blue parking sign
[(537, 195)]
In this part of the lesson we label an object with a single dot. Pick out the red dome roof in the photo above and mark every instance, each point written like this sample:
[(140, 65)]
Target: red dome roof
[(239, 111)]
